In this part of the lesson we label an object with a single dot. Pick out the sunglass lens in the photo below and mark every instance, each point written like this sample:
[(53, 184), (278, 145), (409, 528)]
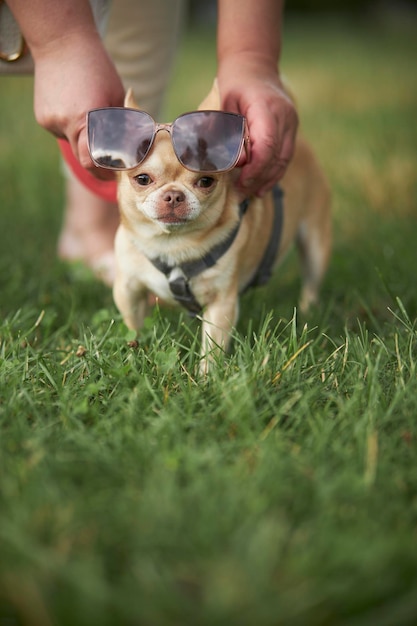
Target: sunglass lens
[(119, 138), (208, 141)]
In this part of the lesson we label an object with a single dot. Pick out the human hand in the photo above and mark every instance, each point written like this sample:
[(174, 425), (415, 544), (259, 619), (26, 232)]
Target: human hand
[(249, 88), (70, 79)]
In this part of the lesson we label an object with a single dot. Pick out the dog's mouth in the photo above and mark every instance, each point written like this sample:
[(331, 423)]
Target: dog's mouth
[(172, 220)]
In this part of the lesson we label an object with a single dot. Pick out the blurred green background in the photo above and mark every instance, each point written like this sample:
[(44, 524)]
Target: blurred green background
[(282, 492)]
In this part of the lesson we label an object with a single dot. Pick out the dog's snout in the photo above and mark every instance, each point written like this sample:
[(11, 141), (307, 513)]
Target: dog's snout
[(173, 198)]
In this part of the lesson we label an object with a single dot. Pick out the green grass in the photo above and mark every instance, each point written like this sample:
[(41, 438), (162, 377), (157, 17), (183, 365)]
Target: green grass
[(282, 491)]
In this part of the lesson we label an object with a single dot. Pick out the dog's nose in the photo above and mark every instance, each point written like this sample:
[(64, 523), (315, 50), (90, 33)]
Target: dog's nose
[(173, 197)]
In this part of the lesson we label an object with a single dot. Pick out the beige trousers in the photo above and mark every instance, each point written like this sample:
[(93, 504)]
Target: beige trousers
[(142, 37)]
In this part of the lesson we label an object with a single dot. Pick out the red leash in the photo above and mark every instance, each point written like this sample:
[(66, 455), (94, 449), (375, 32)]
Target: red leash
[(106, 189)]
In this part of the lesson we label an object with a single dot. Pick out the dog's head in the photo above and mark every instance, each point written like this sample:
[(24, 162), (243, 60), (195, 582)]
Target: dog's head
[(162, 193)]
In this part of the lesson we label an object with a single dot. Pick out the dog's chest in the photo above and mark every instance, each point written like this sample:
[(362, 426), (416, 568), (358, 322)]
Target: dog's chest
[(191, 293)]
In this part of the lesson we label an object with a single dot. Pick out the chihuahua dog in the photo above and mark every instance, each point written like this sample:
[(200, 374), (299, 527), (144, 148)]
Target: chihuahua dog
[(188, 238)]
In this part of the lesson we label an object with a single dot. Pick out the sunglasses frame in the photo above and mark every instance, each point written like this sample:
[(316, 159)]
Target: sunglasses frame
[(157, 127)]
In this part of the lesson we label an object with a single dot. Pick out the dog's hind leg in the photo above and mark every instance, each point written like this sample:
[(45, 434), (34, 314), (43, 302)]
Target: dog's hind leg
[(314, 246)]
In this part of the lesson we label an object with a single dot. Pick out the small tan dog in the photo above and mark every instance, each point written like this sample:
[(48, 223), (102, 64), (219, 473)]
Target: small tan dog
[(187, 238)]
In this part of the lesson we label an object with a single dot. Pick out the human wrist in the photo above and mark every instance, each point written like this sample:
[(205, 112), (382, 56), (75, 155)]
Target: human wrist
[(242, 69), (75, 43)]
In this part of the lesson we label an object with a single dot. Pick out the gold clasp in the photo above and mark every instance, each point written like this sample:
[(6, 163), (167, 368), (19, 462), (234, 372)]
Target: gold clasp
[(12, 43)]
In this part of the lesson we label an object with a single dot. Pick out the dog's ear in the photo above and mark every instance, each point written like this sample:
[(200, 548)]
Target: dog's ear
[(130, 100), (212, 101)]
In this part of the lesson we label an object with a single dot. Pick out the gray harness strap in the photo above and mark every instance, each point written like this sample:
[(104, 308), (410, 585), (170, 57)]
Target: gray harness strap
[(264, 271), (179, 276)]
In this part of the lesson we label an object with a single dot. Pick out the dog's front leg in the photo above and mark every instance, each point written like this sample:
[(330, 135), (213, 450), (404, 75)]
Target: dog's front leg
[(219, 318), (132, 303)]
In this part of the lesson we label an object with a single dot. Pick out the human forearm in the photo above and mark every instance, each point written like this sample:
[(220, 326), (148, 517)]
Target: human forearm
[(250, 30), (73, 72), (248, 50), (49, 24)]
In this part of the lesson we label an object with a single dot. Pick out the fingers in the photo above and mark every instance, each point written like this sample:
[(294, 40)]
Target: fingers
[(84, 158), (272, 147), (78, 143), (80, 164), (272, 120), (80, 149)]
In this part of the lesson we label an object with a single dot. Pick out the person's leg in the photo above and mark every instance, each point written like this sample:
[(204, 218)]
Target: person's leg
[(142, 38), (88, 229)]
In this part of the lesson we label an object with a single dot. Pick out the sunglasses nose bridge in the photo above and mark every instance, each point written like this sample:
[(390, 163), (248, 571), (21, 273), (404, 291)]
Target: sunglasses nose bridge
[(167, 127)]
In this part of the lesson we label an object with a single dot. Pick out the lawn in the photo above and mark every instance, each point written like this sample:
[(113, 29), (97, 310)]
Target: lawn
[(282, 491)]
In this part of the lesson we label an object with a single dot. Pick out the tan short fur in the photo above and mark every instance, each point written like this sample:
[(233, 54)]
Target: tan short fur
[(204, 217)]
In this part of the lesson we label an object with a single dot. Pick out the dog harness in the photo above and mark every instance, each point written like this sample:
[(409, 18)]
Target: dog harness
[(179, 276), (264, 271)]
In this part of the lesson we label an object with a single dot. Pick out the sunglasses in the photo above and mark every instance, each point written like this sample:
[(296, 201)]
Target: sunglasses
[(203, 141)]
